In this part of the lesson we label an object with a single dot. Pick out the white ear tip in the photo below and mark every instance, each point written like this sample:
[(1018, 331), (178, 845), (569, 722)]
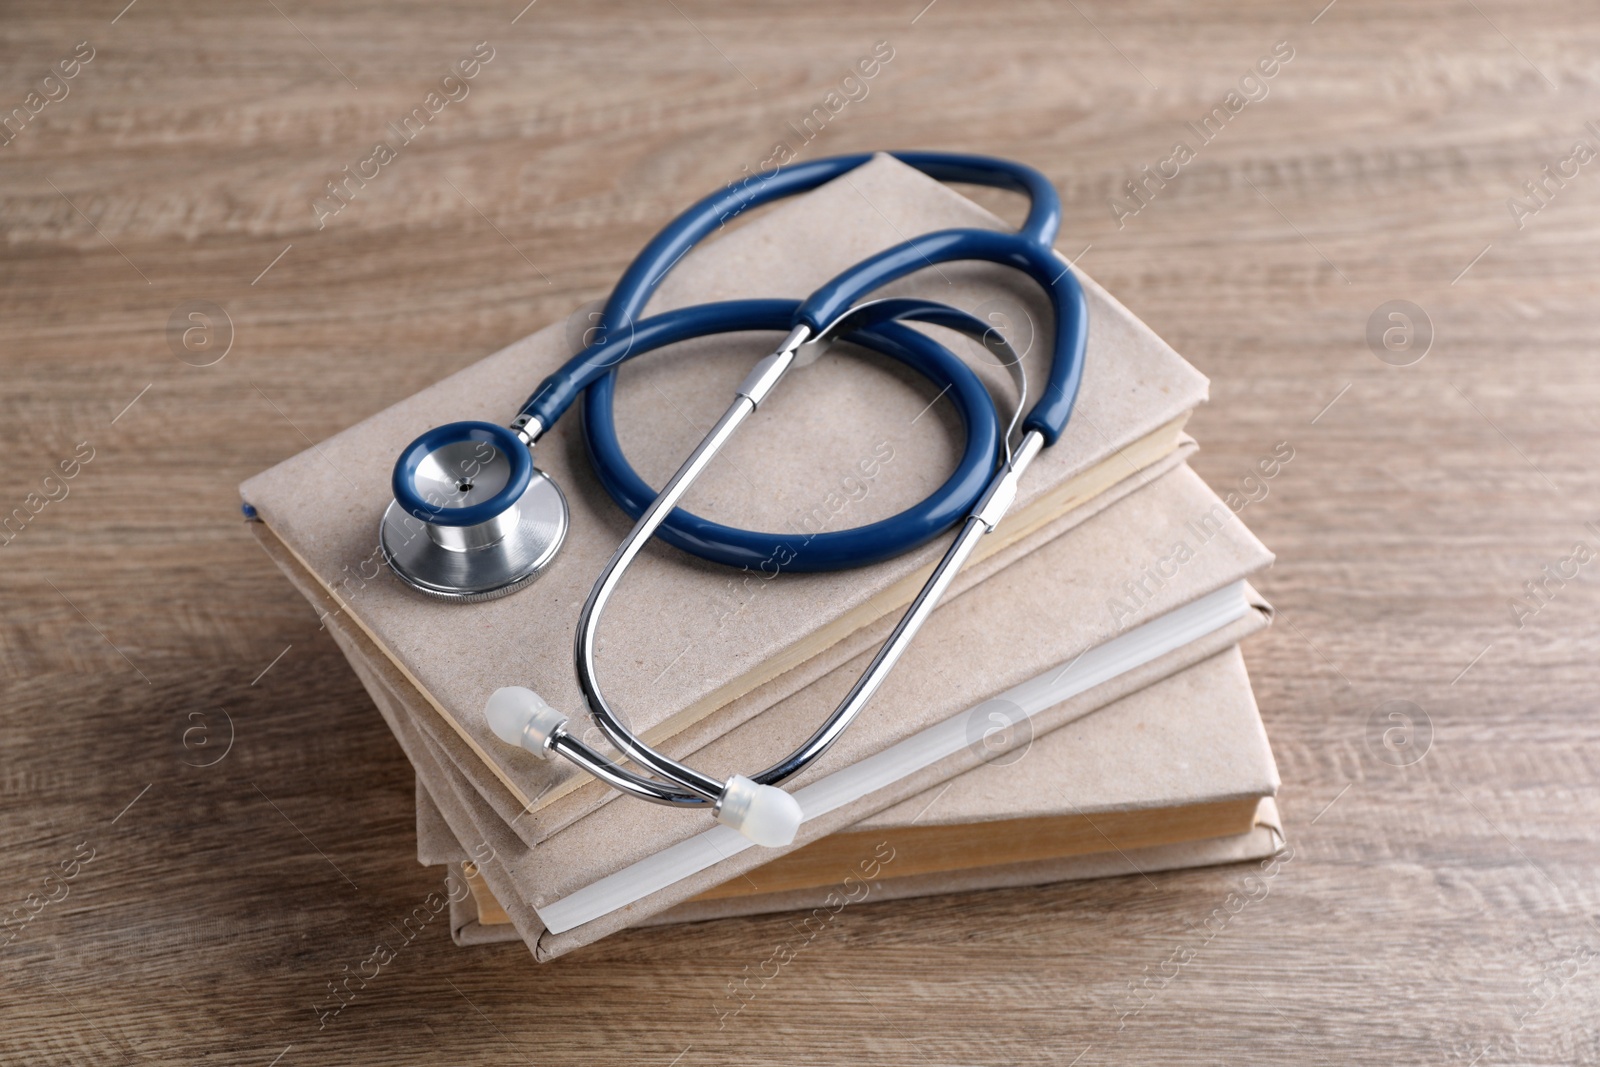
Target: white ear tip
[(508, 712), (519, 716), (763, 813)]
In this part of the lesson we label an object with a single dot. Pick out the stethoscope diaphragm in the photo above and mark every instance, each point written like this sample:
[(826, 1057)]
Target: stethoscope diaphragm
[(472, 517)]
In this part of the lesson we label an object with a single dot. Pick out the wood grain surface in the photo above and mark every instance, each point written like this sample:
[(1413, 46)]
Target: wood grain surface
[(172, 712)]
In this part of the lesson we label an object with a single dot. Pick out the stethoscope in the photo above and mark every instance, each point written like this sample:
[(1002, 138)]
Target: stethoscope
[(493, 521)]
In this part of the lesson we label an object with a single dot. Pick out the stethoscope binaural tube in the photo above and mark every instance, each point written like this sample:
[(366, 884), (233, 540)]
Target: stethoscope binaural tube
[(975, 496)]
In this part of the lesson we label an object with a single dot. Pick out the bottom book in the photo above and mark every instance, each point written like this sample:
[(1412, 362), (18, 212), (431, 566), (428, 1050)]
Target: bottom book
[(1179, 774)]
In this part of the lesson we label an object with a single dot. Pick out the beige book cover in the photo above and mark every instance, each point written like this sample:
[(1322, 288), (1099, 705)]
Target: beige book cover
[(1145, 559), (1194, 739), (798, 465)]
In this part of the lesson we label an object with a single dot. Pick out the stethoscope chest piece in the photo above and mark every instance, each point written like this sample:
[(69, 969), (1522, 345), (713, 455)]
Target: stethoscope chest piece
[(472, 518)]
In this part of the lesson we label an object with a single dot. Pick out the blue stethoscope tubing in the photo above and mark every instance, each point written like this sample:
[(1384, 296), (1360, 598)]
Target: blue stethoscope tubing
[(624, 335)]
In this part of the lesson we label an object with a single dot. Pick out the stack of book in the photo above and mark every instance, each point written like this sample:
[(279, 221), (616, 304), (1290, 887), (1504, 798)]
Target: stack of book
[(1077, 707)]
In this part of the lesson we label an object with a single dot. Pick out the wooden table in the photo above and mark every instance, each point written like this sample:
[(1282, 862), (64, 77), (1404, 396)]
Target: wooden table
[(1436, 912)]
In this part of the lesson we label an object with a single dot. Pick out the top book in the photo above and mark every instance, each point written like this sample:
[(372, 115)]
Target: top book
[(848, 441)]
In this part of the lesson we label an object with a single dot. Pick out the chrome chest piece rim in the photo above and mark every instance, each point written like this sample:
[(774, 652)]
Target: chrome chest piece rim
[(472, 518)]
